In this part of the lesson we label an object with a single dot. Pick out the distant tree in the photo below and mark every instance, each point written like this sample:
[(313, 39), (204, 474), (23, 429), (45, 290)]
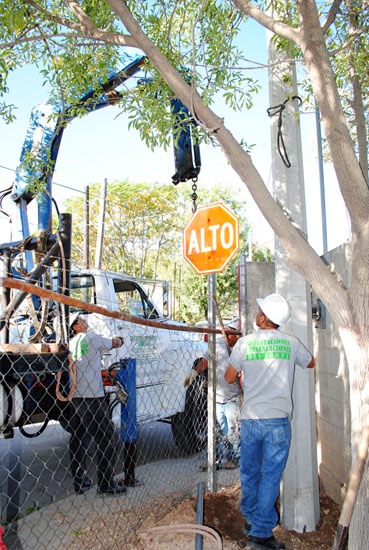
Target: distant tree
[(143, 237), (141, 226)]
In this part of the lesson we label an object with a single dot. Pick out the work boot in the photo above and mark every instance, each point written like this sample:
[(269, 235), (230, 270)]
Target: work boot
[(133, 482), (262, 543), (82, 484)]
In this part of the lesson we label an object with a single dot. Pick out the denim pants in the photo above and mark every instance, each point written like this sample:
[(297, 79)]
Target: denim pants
[(264, 451), (228, 438)]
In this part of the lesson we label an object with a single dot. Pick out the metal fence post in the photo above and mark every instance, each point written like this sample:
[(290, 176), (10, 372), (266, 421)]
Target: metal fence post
[(199, 516), (211, 387)]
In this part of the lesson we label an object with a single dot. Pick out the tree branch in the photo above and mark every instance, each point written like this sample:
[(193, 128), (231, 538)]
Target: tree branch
[(353, 37), (335, 7), (40, 37), (86, 28), (299, 253), (277, 27)]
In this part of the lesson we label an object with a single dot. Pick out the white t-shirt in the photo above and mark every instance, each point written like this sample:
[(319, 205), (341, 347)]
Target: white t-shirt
[(267, 359), (86, 351), (224, 392)]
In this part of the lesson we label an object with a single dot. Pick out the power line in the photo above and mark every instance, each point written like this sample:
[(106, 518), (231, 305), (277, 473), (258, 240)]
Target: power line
[(53, 182)]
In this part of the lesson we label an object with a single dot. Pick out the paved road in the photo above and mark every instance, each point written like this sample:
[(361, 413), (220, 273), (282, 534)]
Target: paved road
[(36, 482), (35, 472)]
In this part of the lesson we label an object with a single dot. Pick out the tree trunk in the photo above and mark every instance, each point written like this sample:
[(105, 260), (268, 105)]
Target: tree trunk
[(349, 309), (357, 351)]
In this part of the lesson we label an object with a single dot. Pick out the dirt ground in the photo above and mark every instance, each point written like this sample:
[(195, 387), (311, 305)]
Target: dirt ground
[(222, 513)]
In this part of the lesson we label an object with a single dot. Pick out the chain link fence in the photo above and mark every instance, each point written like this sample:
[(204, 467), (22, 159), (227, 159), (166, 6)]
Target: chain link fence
[(66, 457)]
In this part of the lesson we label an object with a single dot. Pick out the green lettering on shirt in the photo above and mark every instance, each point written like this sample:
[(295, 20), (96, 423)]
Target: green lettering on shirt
[(81, 348), (270, 349)]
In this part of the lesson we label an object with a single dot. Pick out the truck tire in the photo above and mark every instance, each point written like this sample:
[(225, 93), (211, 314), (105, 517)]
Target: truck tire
[(189, 428)]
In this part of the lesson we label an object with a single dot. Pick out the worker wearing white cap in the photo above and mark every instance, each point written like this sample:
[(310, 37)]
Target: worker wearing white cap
[(227, 406), (267, 360), (90, 409)]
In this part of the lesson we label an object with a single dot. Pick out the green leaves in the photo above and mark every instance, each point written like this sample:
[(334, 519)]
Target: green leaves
[(75, 54)]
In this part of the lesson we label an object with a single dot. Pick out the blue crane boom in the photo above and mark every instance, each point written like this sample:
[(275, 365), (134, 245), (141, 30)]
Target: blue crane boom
[(45, 131)]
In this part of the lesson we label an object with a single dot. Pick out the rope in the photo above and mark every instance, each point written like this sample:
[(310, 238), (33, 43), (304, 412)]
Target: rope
[(64, 283), (278, 110), (73, 376)]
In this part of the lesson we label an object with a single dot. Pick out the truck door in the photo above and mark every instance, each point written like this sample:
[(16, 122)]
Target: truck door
[(146, 344)]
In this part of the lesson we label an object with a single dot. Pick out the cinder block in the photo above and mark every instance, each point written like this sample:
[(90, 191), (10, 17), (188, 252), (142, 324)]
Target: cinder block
[(332, 486)]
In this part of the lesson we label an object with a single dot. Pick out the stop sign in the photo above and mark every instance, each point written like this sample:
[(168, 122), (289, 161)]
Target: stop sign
[(211, 238)]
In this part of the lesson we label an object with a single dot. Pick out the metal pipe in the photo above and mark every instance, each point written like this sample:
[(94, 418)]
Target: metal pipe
[(28, 288), (101, 224), (86, 228), (6, 297), (65, 232), (38, 271), (199, 516), (242, 293)]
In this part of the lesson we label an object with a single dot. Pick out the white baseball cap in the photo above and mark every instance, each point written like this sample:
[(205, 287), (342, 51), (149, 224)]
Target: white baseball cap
[(73, 318), (233, 324), (276, 308)]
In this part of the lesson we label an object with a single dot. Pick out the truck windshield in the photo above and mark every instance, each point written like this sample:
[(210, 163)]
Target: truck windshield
[(131, 300), (82, 288)]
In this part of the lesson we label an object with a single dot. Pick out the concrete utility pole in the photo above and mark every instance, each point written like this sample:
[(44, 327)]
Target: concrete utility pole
[(242, 293), (299, 488)]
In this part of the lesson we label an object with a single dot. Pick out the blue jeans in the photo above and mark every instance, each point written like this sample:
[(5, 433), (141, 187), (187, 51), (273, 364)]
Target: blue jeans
[(228, 437), (264, 451)]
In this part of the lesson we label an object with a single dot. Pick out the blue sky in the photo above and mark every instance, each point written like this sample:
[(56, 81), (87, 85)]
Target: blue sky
[(100, 146)]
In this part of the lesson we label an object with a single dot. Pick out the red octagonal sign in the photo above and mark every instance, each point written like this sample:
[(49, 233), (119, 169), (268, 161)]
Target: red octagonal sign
[(211, 238)]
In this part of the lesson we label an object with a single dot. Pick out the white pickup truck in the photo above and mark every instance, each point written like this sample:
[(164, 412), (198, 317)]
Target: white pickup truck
[(163, 357)]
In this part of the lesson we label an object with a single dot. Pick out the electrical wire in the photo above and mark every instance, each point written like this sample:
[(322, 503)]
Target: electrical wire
[(278, 110)]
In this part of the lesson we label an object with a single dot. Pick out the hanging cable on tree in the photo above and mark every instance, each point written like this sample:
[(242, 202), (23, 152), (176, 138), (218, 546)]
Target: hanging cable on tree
[(278, 110)]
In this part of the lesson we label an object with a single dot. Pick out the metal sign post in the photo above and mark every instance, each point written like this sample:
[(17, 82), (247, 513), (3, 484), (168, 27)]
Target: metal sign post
[(211, 387), (210, 241)]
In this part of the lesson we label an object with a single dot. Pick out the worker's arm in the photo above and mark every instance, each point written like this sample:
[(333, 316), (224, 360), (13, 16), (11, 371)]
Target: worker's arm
[(231, 374), (311, 365), (201, 365), (117, 342)]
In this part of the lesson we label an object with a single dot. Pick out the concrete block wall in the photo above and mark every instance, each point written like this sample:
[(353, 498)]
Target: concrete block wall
[(332, 392)]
